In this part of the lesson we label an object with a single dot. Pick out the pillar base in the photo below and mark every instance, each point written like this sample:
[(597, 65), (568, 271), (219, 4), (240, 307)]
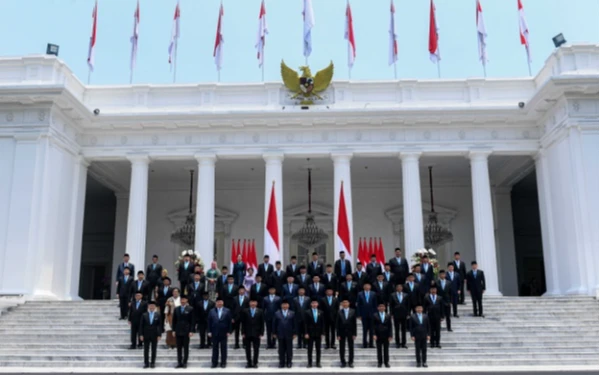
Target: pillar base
[(492, 293), (552, 293), (580, 291), (42, 295)]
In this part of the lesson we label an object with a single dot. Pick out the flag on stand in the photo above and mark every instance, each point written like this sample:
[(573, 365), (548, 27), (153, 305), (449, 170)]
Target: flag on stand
[(234, 254), (90, 59), (393, 55), (174, 34), (481, 34), (218, 51), (272, 230), (252, 257), (434, 49), (309, 23), (262, 32), (349, 36), (524, 30), (380, 254), (343, 228), (135, 36)]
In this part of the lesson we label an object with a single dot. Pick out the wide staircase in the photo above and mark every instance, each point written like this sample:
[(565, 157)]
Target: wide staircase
[(535, 333)]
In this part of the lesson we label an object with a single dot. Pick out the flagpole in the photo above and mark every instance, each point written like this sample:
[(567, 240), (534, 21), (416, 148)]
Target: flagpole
[(131, 77), (528, 62), (484, 70), (395, 72), (89, 75), (175, 59)]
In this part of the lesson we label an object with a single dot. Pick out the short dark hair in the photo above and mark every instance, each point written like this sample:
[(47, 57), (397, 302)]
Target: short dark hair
[(154, 256), (386, 264), (315, 253), (242, 287), (450, 264), (302, 267), (229, 276), (140, 272), (441, 271), (424, 256), (373, 256), (224, 268), (342, 252), (328, 266), (266, 257), (397, 249), (125, 255), (357, 263), (278, 262), (473, 262), (456, 253), (293, 257)]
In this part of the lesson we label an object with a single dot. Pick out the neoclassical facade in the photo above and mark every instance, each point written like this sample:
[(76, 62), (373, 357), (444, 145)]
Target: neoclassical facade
[(376, 137)]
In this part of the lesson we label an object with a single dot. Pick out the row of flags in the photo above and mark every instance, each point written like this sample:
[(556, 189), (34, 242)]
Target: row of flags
[(309, 23), (247, 249), (366, 249)]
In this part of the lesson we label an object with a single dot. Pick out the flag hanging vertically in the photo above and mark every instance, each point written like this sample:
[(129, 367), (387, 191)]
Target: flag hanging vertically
[(309, 23), (234, 254), (90, 59), (343, 228), (261, 36), (364, 257), (393, 50), (370, 250), (434, 50), (359, 252), (244, 252), (380, 254), (272, 248), (174, 35), (218, 51), (481, 33), (349, 36), (252, 258), (524, 30), (134, 38)]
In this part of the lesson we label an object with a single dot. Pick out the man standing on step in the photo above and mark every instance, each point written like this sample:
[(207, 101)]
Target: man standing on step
[(154, 273), (400, 310), (419, 333), (150, 331), (382, 335), (455, 284), (366, 306), (285, 330), (141, 286), (346, 333), (136, 310), (219, 328), (314, 325), (124, 288), (461, 269), (399, 266), (445, 292), (163, 293), (271, 304), (476, 287), (122, 266), (186, 268), (299, 305), (434, 306), (202, 310), (253, 329), (241, 303), (330, 307), (183, 330)]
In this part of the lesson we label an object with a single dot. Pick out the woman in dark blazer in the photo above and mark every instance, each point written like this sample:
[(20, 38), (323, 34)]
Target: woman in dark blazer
[(239, 271)]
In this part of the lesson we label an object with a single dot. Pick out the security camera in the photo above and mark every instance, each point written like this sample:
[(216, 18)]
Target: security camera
[(96, 111), (521, 104)]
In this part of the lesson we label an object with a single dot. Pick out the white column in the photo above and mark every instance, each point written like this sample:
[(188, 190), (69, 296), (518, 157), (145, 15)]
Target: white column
[(205, 208), (138, 206), (483, 220), (411, 197), (273, 174), (341, 173)]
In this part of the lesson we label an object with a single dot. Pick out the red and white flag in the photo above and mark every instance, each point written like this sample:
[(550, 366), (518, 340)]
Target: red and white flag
[(393, 54), (135, 36), (252, 258), (245, 252), (174, 34), (343, 227), (524, 30), (218, 51), (380, 254), (481, 33), (90, 59), (349, 36), (234, 254), (272, 248), (434, 49), (370, 250), (262, 33)]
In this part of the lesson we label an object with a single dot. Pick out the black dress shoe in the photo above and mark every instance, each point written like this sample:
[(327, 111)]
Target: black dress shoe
[(457, 316), (223, 365), (343, 365), (387, 365), (249, 366), (179, 366), (152, 365), (333, 347), (256, 365), (379, 365), (418, 364), (483, 316), (281, 366), (326, 346), (146, 366), (309, 366), (372, 346), (132, 347), (449, 330), (425, 365), (318, 365), (397, 346), (405, 347), (184, 365), (213, 366), (438, 346), (289, 365), (351, 365)]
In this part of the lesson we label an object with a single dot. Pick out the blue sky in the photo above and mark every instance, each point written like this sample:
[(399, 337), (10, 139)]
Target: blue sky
[(27, 25)]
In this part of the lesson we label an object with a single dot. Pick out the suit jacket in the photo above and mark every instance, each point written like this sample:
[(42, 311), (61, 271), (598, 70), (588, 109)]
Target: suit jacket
[(461, 269), (229, 296), (253, 327), (145, 288), (286, 293), (366, 309), (360, 280), (278, 281), (382, 292), (315, 271), (298, 308), (307, 281), (121, 268), (383, 330), (445, 292), (476, 285), (153, 274), (270, 308), (400, 310), (265, 274), (239, 273), (455, 283), (390, 278), (423, 285), (349, 294), (124, 288), (258, 294), (150, 330), (290, 271), (316, 293), (346, 327), (373, 270), (220, 283), (237, 309), (219, 328), (413, 295), (418, 330), (195, 294), (333, 283), (184, 322), (184, 273), (161, 298), (337, 268), (399, 268), (312, 328), (330, 311), (135, 314), (429, 276), (284, 327), (201, 312), (434, 310)]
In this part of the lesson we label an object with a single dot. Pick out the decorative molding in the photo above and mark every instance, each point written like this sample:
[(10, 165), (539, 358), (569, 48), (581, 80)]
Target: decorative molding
[(396, 215), (224, 219)]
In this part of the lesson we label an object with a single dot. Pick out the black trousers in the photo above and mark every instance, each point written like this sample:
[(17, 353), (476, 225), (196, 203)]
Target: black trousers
[(270, 339), (203, 332), (124, 306), (285, 351), (455, 299), (400, 328), (383, 350), (367, 326), (300, 327), (350, 342), (329, 333), (252, 358), (183, 348), (421, 350), (435, 330), (135, 334), (477, 300), (237, 325), (162, 314), (147, 345), (448, 317), (461, 297), (183, 286), (316, 343), (219, 344)]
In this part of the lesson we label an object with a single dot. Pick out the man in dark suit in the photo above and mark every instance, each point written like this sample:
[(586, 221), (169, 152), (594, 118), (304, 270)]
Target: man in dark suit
[(399, 266), (154, 273), (382, 334), (186, 268), (197, 271), (253, 329), (422, 281), (314, 325), (195, 290), (278, 278), (303, 279), (476, 287), (122, 266), (366, 305), (413, 291), (259, 291), (124, 289), (290, 290), (163, 293), (219, 327), (434, 306), (329, 279), (141, 286), (348, 290), (183, 329), (202, 309), (373, 269), (330, 307), (150, 332), (315, 267), (137, 308), (388, 276), (229, 292), (400, 310), (427, 271), (271, 304), (419, 333), (284, 329), (241, 303), (293, 268), (265, 270), (461, 268), (342, 267), (382, 291), (346, 333), (445, 291), (222, 280), (360, 276), (299, 305), (456, 283), (316, 289)]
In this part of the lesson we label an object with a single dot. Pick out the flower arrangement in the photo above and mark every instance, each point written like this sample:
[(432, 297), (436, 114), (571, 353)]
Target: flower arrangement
[(416, 259), (194, 258)]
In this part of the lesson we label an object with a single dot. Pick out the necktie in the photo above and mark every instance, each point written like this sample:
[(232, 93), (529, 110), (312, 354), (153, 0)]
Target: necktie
[(387, 276), (137, 305), (359, 273), (290, 286), (411, 286), (419, 276), (382, 317), (126, 265), (220, 313), (153, 266), (420, 319), (284, 314), (126, 279), (443, 284), (205, 305), (301, 301), (343, 268), (252, 312), (315, 265), (302, 277), (165, 290), (451, 276), (329, 300), (315, 315), (433, 299), (182, 309), (139, 285), (316, 287), (230, 286), (196, 283), (278, 273), (271, 297), (258, 287), (367, 296), (241, 300), (186, 264), (349, 283), (346, 313), (328, 277), (380, 286), (266, 266), (400, 297), (151, 317), (294, 267), (475, 274)]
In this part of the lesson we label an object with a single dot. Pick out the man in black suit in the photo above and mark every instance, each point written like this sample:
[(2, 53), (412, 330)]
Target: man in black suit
[(284, 329), (389, 276), (299, 305), (137, 308), (202, 309), (163, 293), (195, 289), (271, 304), (253, 329), (229, 292), (259, 291), (427, 272), (197, 271), (315, 267), (382, 334), (141, 286), (421, 281), (456, 283), (461, 268), (219, 328), (434, 306), (400, 310), (366, 305), (303, 279), (290, 290), (348, 290), (150, 332), (241, 303), (373, 269), (265, 270), (360, 276), (316, 289), (445, 292), (419, 333), (346, 333), (222, 280), (382, 291), (293, 268), (154, 273), (122, 266), (399, 266), (278, 278), (413, 291), (476, 287), (330, 307), (183, 329), (342, 267), (124, 289), (314, 325), (186, 268), (330, 279)]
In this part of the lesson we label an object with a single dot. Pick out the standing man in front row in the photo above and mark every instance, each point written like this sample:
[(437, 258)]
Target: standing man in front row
[(253, 329), (150, 331), (136, 310), (219, 328), (124, 289), (183, 329), (419, 333), (382, 335), (476, 287), (314, 325), (285, 330), (346, 332)]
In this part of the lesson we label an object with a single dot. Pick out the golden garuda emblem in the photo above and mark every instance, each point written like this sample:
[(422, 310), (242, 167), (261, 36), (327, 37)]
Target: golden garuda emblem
[(306, 86)]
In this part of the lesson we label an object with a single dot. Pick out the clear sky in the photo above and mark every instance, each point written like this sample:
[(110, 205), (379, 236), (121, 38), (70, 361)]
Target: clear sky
[(27, 25)]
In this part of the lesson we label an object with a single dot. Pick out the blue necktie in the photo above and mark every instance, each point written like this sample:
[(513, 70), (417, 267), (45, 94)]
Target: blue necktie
[(205, 305), (137, 305), (220, 310), (258, 287), (165, 290), (420, 319), (343, 268), (285, 314), (230, 286), (443, 284), (252, 313), (139, 285), (346, 313), (329, 299), (400, 297), (196, 283), (241, 300), (382, 317), (126, 279), (367, 296), (315, 315), (301, 301), (182, 309), (349, 285), (475, 274), (153, 267), (433, 299), (151, 318)]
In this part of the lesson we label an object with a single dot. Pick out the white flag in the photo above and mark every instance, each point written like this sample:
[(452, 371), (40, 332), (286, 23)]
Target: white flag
[(481, 34), (524, 30), (309, 23), (174, 34), (135, 35), (218, 51), (261, 36), (393, 53)]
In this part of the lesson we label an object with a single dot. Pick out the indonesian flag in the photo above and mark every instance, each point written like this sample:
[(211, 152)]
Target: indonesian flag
[(349, 35), (135, 36), (363, 257), (524, 30), (218, 51), (252, 259), (234, 254), (90, 59), (174, 34), (309, 23), (272, 230), (380, 253), (481, 34), (245, 253), (434, 49), (343, 228), (393, 57), (370, 250), (262, 32)]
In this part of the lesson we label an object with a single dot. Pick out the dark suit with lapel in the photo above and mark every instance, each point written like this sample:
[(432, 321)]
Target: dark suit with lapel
[(373, 269), (330, 312), (423, 286), (285, 328), (400, 310), (313, 270), (307, 281), (419, 330), (314, 329), (349, 293), (291, 271), (161, 300), (202, 319), (221, 282), (258, 293), (337, 269), (121, 268), (124, 289), (229, 294), (446, 293), (399, 269), (194, 293), (270, 308), (136, 310), (360, 279), (365, 310), (278, 281), (237, 316), (435, 312), (219, 328), (150, 330), (333, 283), (414, 295), (346, 331), (253, 327), (184, 322), (286, 293), (461, 269), (265, 273), (316, 291), (429, 276), (383, 331), (154, 274), (476, 286), (456, 283), (390, 278), (183, 275), (143, 287), (298, 308), (382, 291), (239, 273)]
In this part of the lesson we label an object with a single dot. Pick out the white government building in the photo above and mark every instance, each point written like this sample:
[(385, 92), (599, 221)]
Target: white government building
[(516, 184)]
